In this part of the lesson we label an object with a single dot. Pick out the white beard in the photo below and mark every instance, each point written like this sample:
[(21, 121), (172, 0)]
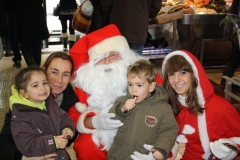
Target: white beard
[(103, 88)]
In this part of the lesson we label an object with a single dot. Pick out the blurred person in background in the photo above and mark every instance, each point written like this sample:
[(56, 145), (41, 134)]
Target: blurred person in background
[(234, 58), (131, 17), (67, 9), (31, 29), (10, 8)]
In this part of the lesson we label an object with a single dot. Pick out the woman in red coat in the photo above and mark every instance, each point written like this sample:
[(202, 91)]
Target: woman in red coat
[(205, 120)]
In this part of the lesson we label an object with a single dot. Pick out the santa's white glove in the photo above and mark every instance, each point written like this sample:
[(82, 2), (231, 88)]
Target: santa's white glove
[(104, 121), (221, 151), (139, 156), (87, 8)]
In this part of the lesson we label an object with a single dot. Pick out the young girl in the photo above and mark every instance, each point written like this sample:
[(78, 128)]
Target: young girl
[(38, 125), (206, 121)]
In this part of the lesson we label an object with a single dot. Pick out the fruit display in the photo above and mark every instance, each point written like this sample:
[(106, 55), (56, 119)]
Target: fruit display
[(197, 3), (197, 6)]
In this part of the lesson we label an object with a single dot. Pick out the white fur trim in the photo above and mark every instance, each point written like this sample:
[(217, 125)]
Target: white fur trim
[(80, 124), (107, 45), (182, 100), (181, 138), (64, 35), (80, 107), (202, 127), (236, 140), (72, 37), (187, 129), (174, 151)]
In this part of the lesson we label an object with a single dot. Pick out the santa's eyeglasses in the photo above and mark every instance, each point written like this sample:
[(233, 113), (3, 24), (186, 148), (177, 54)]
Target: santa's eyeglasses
[(112, 57)]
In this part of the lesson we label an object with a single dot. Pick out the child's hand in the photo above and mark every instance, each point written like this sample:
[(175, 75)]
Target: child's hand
[(50, 156), (156, 154), (61, 141), (181, 148), (68, 133), (128, 105)]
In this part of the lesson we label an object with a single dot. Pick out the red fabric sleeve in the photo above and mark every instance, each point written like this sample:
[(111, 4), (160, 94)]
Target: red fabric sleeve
[(73, 113), (159, 79)]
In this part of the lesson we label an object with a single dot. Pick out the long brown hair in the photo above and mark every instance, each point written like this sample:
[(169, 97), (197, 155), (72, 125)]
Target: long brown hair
[(179, 63)]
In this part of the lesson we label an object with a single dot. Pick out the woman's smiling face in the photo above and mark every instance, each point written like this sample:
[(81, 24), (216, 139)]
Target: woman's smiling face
[(180, 82), (59, 75)]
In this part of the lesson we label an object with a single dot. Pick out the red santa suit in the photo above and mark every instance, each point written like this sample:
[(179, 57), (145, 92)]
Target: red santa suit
[(219, 119), (88, 49)]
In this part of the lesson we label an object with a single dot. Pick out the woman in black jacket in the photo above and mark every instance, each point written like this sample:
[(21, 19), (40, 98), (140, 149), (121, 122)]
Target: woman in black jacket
[(67, 9), (60, 89)]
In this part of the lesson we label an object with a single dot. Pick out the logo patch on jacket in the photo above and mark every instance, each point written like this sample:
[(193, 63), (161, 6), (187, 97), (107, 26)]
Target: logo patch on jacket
[(150, 121), (50, 142)]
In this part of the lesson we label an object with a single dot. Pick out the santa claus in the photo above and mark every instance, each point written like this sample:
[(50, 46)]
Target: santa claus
[(100, 60)]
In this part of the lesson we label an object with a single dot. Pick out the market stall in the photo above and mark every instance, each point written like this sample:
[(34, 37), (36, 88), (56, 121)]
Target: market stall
[(203, 22), (196, 20), (194, 27)]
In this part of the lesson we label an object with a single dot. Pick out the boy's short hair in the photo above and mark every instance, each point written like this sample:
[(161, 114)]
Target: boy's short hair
[(143, 68)]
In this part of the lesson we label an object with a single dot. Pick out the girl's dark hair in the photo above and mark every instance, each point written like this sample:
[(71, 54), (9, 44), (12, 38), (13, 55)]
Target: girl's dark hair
[(179, 63), (55, 55), (24, 76), (143, 68)]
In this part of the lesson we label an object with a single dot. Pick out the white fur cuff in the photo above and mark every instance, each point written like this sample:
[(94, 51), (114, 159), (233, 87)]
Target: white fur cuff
[(81, 126)]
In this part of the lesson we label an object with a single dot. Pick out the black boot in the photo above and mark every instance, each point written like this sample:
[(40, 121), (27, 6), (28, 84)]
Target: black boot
[(30, 61), (71, 40), (65, 42), (71, 43), (17, 63), (8, 52)]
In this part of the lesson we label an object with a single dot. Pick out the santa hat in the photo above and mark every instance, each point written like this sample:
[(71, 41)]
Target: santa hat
[(97, 43)]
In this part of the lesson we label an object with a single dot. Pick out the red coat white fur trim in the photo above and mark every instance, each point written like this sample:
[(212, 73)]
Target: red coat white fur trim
[(213, 124), (201, 118)]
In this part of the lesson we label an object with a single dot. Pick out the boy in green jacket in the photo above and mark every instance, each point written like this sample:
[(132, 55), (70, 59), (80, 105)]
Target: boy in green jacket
[(147, 117)]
